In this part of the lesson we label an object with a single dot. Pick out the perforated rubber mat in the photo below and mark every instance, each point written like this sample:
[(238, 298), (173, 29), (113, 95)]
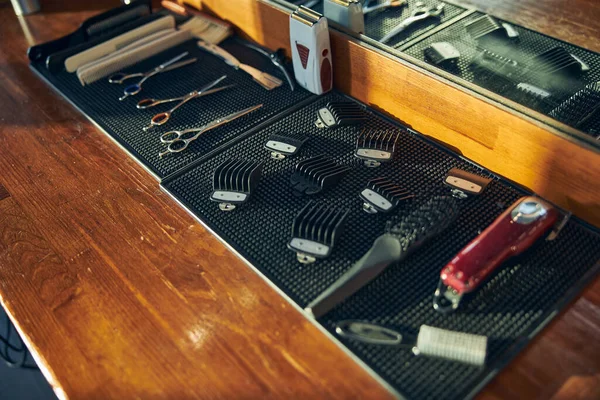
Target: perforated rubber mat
[(124, 122), (509, 308), (530, 43), (379, 23)]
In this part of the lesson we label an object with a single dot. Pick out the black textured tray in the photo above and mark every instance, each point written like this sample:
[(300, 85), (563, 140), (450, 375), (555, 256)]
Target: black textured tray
[(530, 43), (124, 122), (379, 23), (510, 308)]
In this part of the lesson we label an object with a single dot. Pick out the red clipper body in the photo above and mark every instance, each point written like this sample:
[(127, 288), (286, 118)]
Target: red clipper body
[(513, 232)]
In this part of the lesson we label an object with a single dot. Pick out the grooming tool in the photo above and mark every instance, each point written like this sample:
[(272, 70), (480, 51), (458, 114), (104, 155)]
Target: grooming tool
[(74, 62), (488, 32), (207, 28), (488, 62), (135, 88), (383, 195), (384, 6), (442, 54), (285, 145), (234, 181), (313, 175), (175, 7), (347, 13), (375, 146), (340, 114), (131, 54), (267, 81), (579, 108), (277, 58), (434, 342), (178, 141), (315, 231), (533, 90), (465, 184), (513, 232), (419, 13), (555, 60), (163, 117), (422, 224), (311, 51)]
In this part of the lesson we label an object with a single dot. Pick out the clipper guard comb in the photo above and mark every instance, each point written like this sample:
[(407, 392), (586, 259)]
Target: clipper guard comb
[(339, 114), (383, 195), (315, 230), (376, 146), (316, 174), (285, 145), (234, 181)]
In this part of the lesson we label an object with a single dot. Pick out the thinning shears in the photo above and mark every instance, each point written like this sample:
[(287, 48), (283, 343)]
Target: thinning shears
[(180, 140)]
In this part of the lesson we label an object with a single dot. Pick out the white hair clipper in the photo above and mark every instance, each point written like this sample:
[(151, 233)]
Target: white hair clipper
[(311, 52), (348, 13)]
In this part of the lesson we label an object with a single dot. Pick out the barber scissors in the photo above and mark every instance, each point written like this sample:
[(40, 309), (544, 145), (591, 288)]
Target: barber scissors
[(419, 13), (163, 117), (134, 89), (179, 140)]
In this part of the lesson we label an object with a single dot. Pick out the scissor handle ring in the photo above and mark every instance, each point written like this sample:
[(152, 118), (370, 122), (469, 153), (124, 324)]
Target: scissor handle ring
[(132, 90), (119, 77), (169, 137), (160, 118), (142, 104), (175, 150)]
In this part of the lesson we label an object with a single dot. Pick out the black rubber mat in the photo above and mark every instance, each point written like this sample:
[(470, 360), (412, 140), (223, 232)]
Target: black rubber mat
[(124, 122), (510, 308), (379, 23), (530, 43)]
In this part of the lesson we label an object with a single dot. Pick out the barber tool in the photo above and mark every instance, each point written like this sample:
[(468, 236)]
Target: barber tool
[(488, 32), (488, 62), (433, 342), (178, 141), (311, 51), (277, 58), (207, 28), (422, 224), (382, 195), (375, 146), (267, 81), (163, 117), (134, 89), (465, 184), (340, 114), (513, 232), (419, 13), (234, 181), (315, 231), (313, 175), (557, 68), (533, 90), (347, 13), (442, 54), (285, 145), (387, 4), (580, 108)]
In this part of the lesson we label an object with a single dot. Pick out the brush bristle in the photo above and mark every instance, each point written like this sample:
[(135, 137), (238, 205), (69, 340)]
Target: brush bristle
[(425, 222)]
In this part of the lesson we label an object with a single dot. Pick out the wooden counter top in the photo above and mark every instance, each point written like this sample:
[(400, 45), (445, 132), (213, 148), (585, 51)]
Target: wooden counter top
[(120, 294)]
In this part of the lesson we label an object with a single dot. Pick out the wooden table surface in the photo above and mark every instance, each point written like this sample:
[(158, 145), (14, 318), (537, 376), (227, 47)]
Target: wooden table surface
[(120, 294)]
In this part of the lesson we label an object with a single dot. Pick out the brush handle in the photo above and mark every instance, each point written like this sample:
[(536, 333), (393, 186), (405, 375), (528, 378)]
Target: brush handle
[(220, 52), (509, 235)]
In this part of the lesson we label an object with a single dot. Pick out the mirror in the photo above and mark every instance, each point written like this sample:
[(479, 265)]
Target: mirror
[(535, 74)]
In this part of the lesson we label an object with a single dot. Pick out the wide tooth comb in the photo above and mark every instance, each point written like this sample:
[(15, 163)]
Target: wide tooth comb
[(579, 108), (315, 230), (339, 114), (316, 174), (285, 145), (383, 195), (234, 181), (376, 146)]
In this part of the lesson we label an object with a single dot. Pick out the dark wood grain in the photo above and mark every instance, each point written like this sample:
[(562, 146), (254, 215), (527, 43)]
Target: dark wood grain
[(120, 294)]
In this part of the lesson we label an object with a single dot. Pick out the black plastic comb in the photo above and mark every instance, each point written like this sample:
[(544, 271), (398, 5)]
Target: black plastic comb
[(383, 195), (442, 54), (315, 230), (579, 108), (488, 32), (285, 145), (234, 181), (376, 146), (423, 223), (555, 60), (339, 114), (316, 174)]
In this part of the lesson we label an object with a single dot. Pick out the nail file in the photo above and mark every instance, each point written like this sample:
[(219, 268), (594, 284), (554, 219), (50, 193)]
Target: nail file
[(513, 232), (432, 342), (74, 62), (311, 51), (347, 13)]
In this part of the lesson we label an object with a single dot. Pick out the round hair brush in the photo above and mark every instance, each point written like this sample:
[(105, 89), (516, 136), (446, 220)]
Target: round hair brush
[(425, 222)]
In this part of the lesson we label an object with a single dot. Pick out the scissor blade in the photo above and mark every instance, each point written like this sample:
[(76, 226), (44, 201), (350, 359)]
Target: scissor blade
[(205, 92), (222, 121), (173, 60), (210, 85)]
